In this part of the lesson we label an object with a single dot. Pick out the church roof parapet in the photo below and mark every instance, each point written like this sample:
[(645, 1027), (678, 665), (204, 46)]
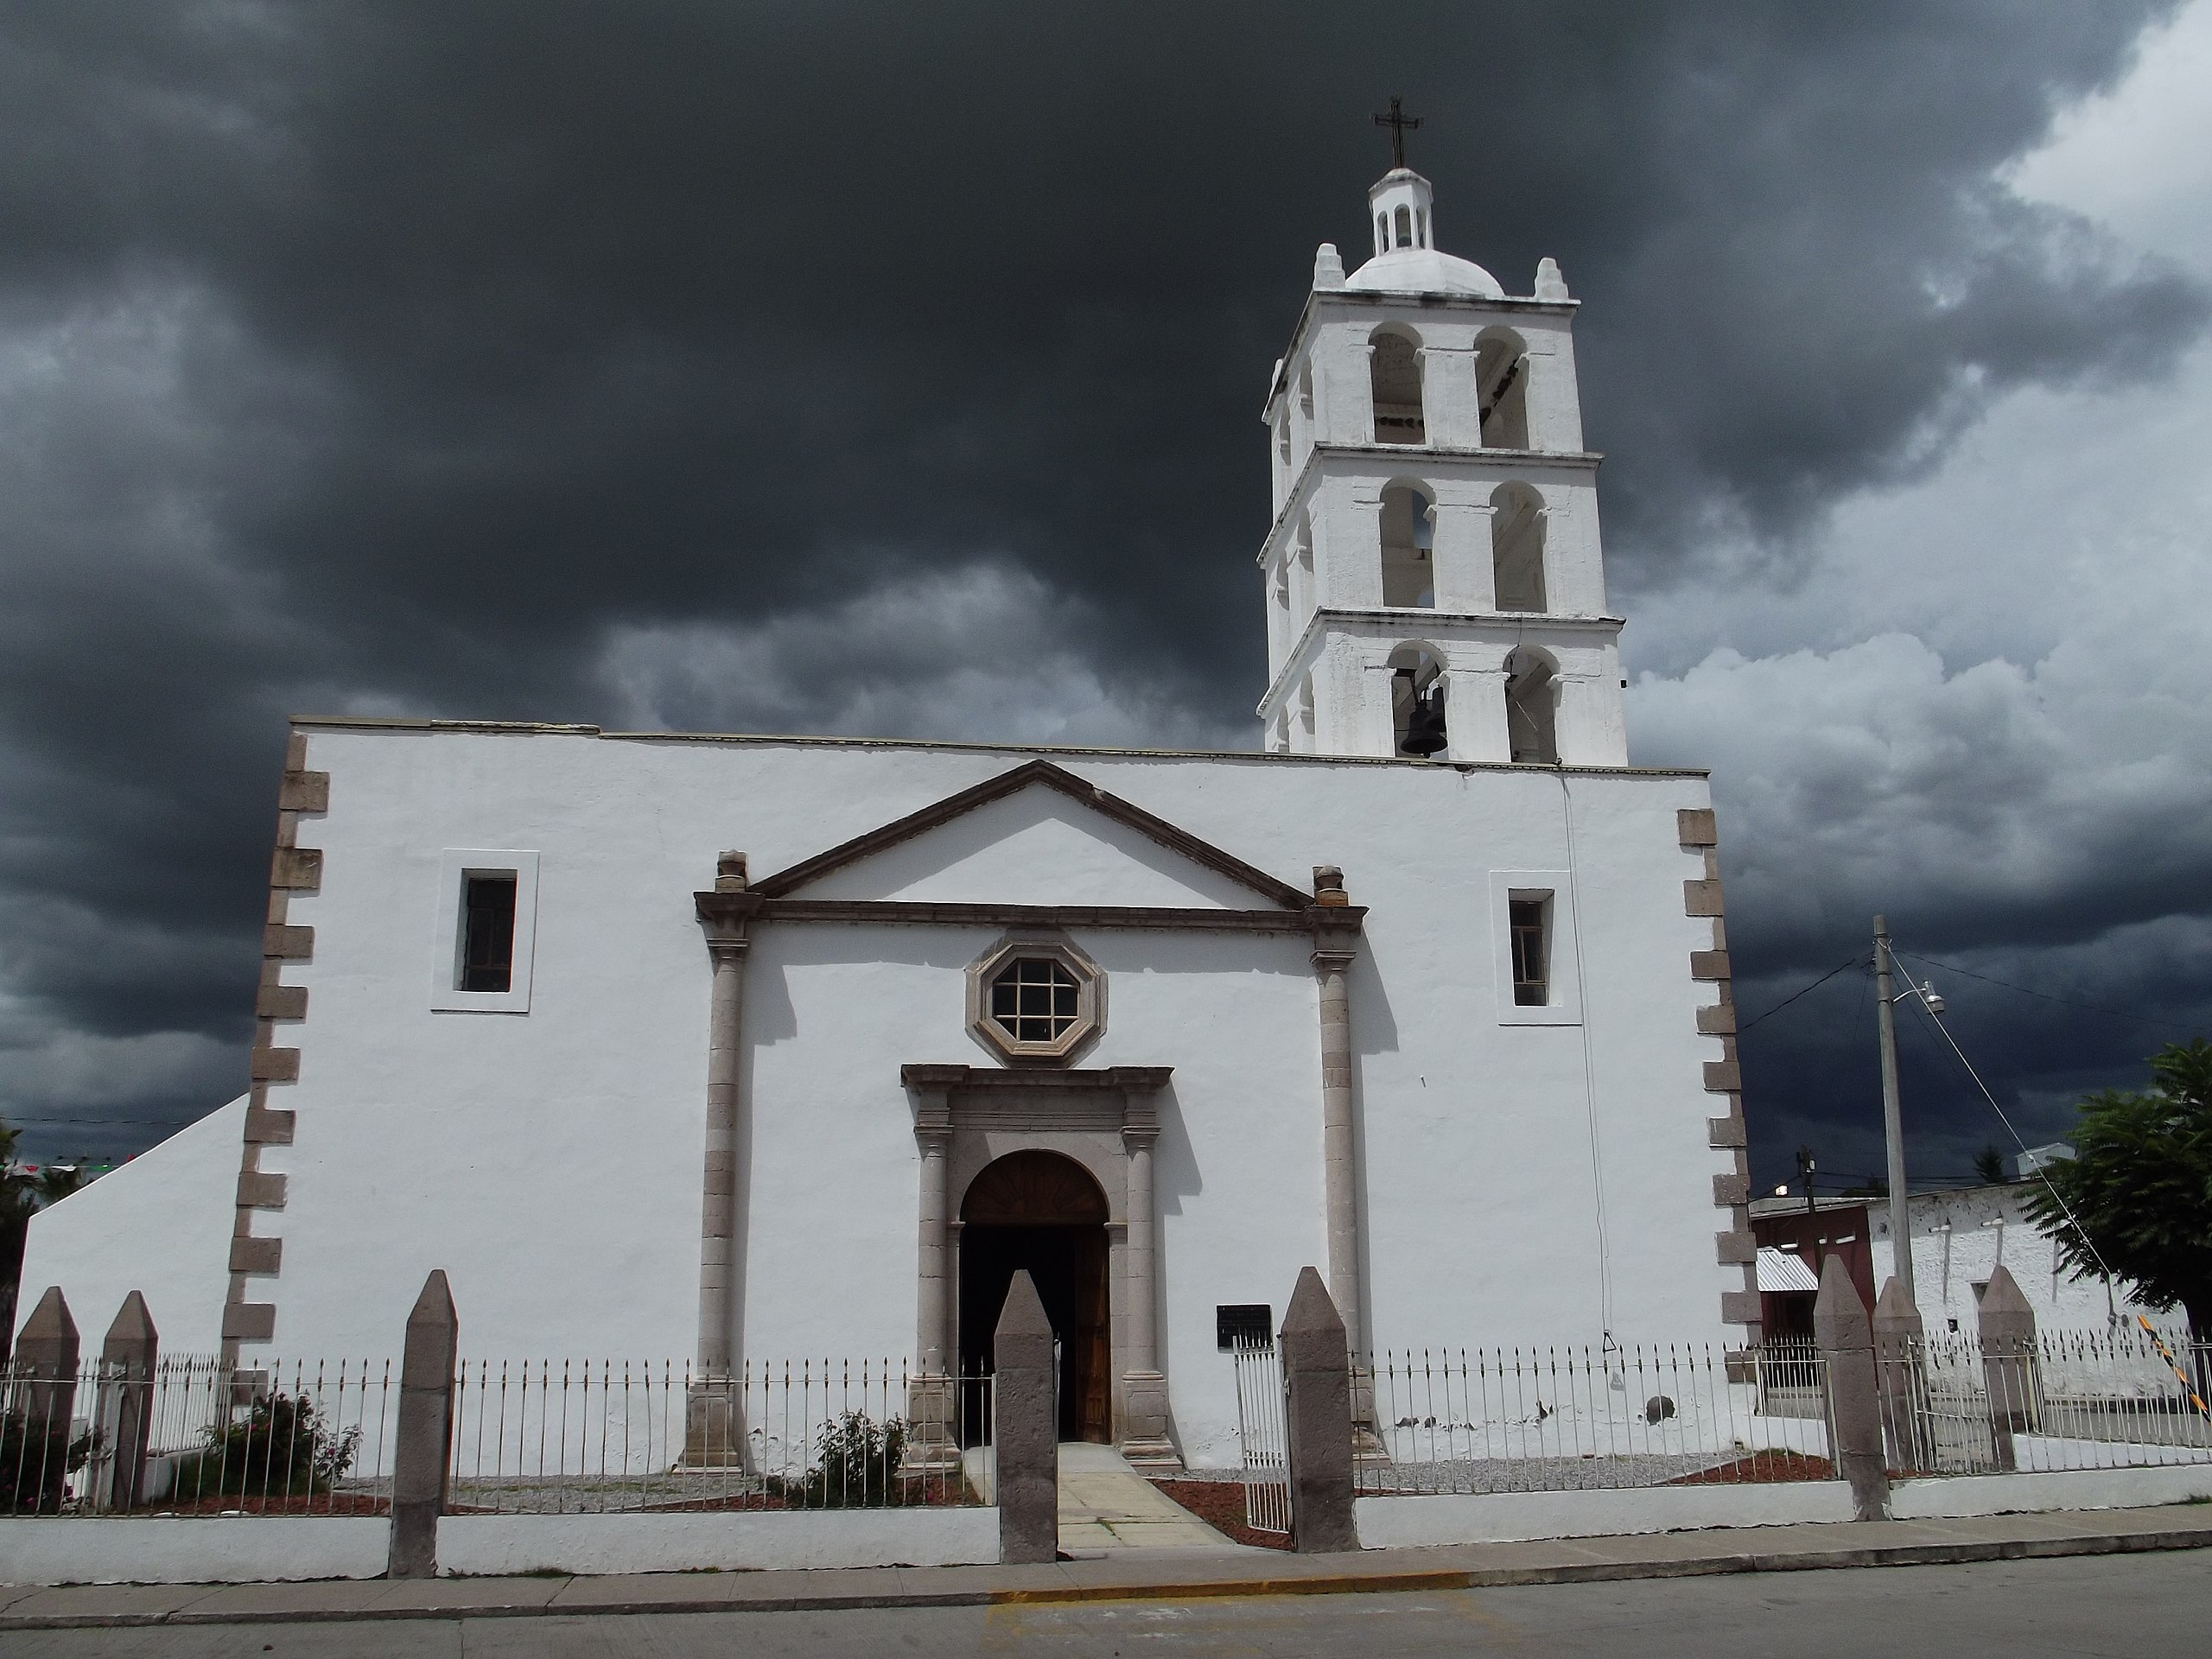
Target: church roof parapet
[(428, 726)]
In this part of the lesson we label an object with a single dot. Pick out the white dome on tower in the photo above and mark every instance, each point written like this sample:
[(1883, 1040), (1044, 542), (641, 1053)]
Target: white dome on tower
[(1401, 214)]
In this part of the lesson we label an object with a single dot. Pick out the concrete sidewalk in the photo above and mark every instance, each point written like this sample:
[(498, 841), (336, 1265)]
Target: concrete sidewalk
[(1128, 1574)]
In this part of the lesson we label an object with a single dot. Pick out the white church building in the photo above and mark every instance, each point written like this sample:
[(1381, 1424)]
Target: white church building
[(731, 1048)]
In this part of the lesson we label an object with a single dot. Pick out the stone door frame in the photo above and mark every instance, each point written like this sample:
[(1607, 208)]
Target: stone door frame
[(966, 1118)]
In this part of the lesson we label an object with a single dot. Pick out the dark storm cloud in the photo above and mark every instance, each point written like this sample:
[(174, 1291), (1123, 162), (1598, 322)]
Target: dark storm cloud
[(400, 357)]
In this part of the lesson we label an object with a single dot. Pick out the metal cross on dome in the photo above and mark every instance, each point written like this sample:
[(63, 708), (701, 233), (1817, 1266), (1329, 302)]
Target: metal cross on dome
[(1398, 121)]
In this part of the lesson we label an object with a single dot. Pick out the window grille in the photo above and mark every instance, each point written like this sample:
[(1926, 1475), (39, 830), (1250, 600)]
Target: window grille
[(487, 959), (1243, 1325), (1531, 976), (1034, 1000)]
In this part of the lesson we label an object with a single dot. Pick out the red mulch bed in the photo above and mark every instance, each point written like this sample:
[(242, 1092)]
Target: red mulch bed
[(1220, 1504), (936, 1497), (1760, 1469)]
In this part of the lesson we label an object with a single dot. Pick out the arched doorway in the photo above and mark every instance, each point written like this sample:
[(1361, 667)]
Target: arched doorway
[(1044, 1212)]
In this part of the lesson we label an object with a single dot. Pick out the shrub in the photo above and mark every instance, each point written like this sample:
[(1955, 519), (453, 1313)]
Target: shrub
[(860, 1464), (283, 1445), (36, 1459)]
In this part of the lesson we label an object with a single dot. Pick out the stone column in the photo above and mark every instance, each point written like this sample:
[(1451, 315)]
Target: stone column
[(1025, 1440), (1846, 1342), (123, 1410), (1144, 1388), (45, 1394), (1335, 950), (1900, 1365), (714, 1434), (929, 1441), (2008, 1362), (424, 1448), (1474, 708), (1318, 1420), (1466, 577)]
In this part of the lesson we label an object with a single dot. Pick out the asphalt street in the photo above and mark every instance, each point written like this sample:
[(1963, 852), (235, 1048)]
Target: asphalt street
[(2132, 1605)]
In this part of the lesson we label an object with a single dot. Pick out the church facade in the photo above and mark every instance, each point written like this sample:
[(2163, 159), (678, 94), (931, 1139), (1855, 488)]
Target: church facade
[(750, 1048)]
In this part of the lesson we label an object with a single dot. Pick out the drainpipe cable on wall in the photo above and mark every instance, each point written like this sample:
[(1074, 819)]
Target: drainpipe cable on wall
[(1589, 1071)]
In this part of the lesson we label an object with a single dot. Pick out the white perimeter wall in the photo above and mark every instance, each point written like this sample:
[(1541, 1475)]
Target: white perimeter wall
[(160, 1224), (550, 1161), (263, 1548), (1958, 1239)]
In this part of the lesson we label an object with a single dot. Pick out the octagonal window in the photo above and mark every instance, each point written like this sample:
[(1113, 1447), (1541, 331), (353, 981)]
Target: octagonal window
[(1035, 1000)]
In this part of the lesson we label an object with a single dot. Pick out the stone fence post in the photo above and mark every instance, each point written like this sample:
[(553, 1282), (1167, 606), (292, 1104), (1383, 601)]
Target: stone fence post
[(2008, 1362), (1318, 1420), (45, 1394), (421, 1460), (1026, 1435), (124, 1408), (1846, 1336), (1900, 1363)]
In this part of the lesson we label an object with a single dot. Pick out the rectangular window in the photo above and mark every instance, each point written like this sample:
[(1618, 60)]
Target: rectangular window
[(488, 958), (1243, 1325), (1537, 976), (1529, 920), (483, 930)]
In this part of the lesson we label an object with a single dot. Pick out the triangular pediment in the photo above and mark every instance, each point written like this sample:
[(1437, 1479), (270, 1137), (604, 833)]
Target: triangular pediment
[(1036, 834)]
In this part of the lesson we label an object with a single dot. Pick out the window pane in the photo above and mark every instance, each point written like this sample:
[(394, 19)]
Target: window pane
[(1529, 919), (1035, 1000), (488, 933)]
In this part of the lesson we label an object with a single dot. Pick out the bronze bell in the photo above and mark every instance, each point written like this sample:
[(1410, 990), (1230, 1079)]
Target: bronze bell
[(1425, 723)]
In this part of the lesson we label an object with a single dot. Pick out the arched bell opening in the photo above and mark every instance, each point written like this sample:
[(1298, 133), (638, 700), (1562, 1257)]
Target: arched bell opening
[(1531, 707), (1417, 687), (1044, 1213), (1408, 547), (1394, 366), (1502, 388), (1516, 547)]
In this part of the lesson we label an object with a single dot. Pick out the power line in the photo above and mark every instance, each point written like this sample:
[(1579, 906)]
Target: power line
[(2064, 1002), (9, 1118), (1848, 962), (2064, 1209)]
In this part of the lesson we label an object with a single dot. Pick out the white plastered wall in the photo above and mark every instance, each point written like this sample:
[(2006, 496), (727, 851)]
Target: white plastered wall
[(550, 1161), (160, 1224), (1959, 1238)]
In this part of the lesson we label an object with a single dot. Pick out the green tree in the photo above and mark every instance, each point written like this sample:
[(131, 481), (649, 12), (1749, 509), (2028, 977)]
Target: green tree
[(1989, 1164), (2136, 1195)]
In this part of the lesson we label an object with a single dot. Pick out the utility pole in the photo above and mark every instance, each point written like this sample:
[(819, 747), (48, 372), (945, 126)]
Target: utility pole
[(1812, 1210), (1892, 1123)]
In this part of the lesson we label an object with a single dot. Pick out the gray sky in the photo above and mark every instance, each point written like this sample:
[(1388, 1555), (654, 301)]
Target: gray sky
[(870, 368)]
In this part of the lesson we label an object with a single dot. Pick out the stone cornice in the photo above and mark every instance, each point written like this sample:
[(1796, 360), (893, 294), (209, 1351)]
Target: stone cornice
[(724, 910), (1127, 1079)]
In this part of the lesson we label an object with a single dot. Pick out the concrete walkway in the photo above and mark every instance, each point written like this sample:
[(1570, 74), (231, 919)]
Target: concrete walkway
[(1105, 1505), (1128, 1574)]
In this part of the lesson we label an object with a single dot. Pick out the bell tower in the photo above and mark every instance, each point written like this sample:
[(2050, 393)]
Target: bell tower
[(1434, 579)]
